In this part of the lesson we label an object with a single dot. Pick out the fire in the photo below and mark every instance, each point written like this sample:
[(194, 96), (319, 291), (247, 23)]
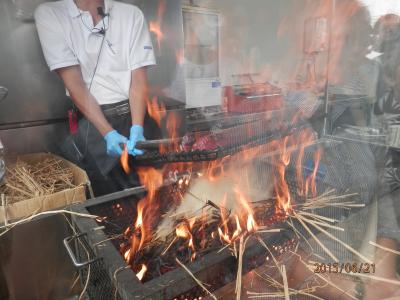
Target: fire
[(281, 161), (251, 224), (139, 219), (147, 211), (142, 271), (224, 236), (311, 179), (152, 179), (243, 202), (242, 220), (305, 136), (182, 231), (246, 218), (156, 111), (155, 26), (127, 254), (138, 237), (317, 158), (125, 160), (173, 122), (238, 230)]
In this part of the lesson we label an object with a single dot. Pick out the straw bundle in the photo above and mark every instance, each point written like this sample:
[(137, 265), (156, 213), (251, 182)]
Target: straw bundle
[(24, 181)]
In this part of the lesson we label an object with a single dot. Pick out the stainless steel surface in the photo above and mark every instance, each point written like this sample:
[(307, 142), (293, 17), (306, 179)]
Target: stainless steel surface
[(3, 93), (34, 92), (48, 138), (167, 78)]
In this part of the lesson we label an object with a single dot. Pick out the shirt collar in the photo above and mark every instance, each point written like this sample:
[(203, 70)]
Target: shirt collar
[(74, 11)]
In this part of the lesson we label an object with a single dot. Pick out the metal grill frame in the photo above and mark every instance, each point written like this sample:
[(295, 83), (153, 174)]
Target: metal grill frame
[(154, 157), (127, 286)]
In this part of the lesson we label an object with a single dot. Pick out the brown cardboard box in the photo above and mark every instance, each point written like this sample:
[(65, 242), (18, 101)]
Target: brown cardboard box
[(26, 208)]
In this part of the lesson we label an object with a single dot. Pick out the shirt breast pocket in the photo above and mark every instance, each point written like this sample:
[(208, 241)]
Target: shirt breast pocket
[(114, 59)]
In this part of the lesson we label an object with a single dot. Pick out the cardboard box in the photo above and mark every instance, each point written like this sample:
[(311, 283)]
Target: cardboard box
[(26, 208)]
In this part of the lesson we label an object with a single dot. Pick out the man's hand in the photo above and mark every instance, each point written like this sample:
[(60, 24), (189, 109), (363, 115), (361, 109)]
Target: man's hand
[(114, 141), (135, 136)]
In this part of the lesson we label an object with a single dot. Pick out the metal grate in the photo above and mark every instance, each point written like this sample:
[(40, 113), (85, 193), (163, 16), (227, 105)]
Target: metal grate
[(214, 269), (98, 285), (237, 142)]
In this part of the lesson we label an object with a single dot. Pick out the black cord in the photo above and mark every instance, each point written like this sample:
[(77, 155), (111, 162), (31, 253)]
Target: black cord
[(98, 32), (102, 32), (97, 61)]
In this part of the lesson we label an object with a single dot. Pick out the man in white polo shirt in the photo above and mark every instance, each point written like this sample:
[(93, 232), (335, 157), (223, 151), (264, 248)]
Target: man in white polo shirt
[(100, 49)]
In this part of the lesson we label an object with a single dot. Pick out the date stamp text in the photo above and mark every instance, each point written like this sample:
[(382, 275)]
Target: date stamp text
[(344, 267)]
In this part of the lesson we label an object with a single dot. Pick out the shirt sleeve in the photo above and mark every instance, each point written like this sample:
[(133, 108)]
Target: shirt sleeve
[(52, 38), (141, 50)]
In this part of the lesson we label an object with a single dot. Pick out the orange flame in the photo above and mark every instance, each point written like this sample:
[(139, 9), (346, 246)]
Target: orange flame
[(238, 230), (182, 231), (147, 210), (304, 136), (224, 236), (317, 158), (142, 271), (156, 111), (152, 179), (251, 224), (173, 122), (139, 219), (281, 161), (155, 26), (125, 160), (127, 255), (311, 180)]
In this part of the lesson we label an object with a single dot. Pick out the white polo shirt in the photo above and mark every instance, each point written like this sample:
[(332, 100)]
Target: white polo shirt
[(69, 37)]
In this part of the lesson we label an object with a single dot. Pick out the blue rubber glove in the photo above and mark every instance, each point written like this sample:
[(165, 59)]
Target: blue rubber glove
[(136, 136), (114, 141)]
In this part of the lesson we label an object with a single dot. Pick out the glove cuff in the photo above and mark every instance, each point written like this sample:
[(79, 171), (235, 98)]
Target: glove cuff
[(137, 129), (110, 133)]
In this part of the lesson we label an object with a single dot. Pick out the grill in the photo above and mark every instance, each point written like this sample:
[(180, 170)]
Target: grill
[(110, 278), (237, 139), (100, 257)]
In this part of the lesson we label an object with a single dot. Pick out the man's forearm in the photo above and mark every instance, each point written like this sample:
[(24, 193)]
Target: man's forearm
[(89, 107), (138, 94), (83, 99)]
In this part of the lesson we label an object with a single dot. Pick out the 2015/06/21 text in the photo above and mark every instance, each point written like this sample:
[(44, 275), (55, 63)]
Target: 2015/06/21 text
[(348, 267)]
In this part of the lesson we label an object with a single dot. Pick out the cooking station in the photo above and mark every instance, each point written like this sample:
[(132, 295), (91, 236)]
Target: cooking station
[(269, 167)]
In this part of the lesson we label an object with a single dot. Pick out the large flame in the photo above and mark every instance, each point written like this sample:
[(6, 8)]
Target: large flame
[(147, 211), (281, 161), (125, 160), (156, 26), (173, 122), (156, 111)]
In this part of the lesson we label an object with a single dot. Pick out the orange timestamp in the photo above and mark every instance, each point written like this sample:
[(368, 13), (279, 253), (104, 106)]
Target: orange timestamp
[(347, 267)]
